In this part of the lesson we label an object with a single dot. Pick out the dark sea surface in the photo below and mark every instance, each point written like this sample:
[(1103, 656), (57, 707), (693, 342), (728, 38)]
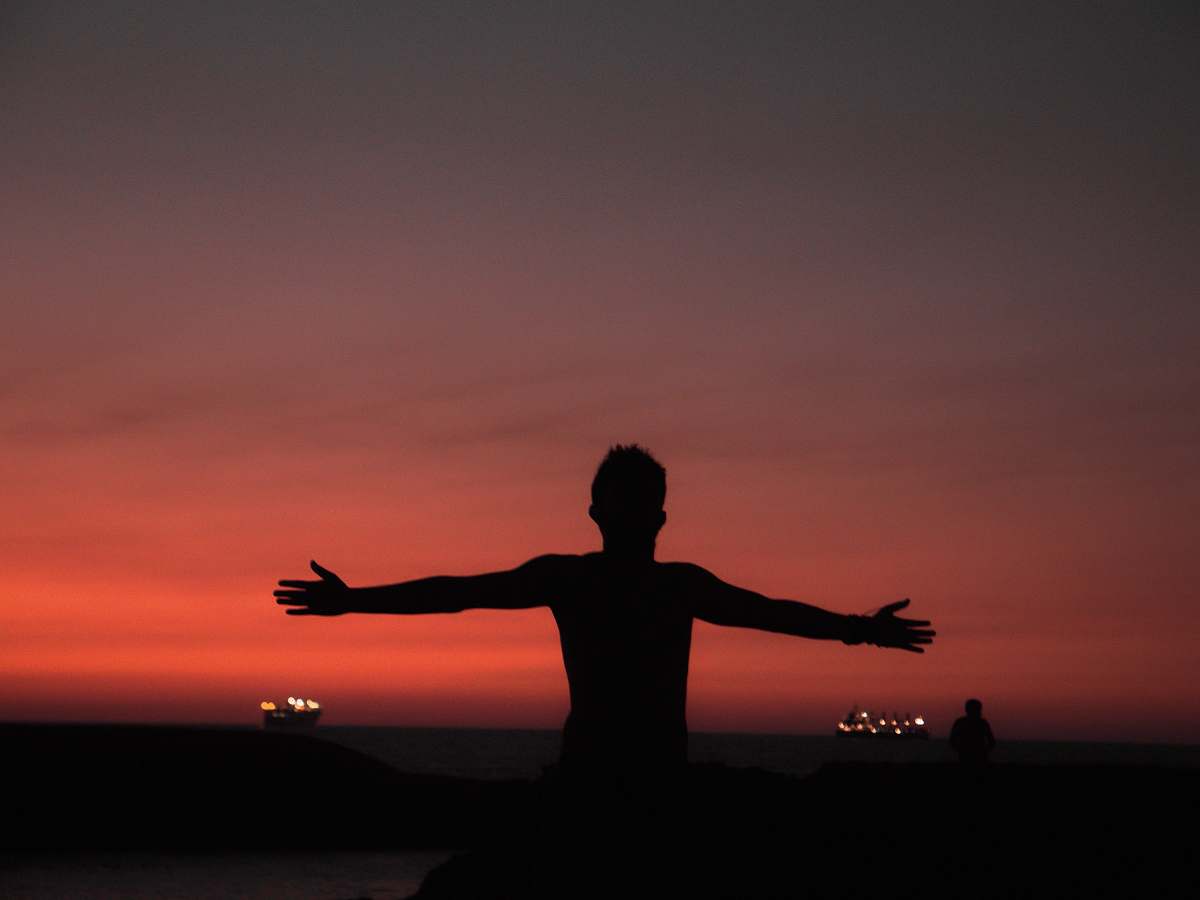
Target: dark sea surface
[(487, 753), (476, 753)]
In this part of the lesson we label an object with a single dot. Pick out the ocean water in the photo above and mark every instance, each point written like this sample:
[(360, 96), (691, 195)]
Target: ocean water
[(488, 753), (477, 753)]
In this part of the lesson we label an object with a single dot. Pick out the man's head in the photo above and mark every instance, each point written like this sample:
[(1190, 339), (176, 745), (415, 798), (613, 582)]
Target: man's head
[(628, 493), (974, 709)]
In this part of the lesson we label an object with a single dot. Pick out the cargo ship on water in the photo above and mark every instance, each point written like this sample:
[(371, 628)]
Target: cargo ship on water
[(862, 723), (297, 714)]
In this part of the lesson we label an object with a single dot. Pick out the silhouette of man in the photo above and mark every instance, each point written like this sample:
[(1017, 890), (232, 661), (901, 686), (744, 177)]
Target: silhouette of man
[(624, 619), (971, 735)]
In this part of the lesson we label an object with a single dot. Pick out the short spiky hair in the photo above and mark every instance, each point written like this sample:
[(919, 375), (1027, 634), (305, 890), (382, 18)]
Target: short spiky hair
[(629, 464)]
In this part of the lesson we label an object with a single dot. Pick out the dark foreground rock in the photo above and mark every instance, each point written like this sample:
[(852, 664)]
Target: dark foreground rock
[(157, 787), (859, 830), (851, 830)]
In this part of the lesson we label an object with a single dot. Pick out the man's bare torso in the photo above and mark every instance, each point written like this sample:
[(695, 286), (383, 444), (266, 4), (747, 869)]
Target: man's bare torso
[(626, 631)]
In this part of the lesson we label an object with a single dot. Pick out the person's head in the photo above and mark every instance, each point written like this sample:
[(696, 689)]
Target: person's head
[(628, 493), (974, 708)]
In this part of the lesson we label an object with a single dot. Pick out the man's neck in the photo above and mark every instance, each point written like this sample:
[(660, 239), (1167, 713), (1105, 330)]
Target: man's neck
[(629, 554)]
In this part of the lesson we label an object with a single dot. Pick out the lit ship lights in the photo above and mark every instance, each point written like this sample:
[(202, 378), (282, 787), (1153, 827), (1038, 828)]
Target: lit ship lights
[(867, 724), (296, 713)]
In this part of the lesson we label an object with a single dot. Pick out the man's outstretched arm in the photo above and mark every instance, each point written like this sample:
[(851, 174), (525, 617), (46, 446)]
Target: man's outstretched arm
[(524, 587), (725, 604)]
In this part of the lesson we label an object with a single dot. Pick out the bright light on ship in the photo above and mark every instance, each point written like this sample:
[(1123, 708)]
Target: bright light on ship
[(312, 704), (292, 701), (919, 720), (267, 705)]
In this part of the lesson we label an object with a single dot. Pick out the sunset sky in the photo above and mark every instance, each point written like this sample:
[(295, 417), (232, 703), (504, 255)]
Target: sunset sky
[(904, 296)]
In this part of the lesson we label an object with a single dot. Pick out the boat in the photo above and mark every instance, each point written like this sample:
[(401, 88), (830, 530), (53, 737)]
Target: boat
[(297, 714), (863, 723)]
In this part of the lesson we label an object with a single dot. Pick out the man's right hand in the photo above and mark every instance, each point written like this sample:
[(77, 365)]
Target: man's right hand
[(327, 597)]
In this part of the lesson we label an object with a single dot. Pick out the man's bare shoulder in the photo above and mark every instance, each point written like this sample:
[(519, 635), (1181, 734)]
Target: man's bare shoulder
[(554, 565), (684, 573), (692, 580)]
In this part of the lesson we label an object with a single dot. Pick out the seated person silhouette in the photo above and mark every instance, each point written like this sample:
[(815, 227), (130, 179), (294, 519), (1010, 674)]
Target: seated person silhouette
[(624, 620), (971, 735)]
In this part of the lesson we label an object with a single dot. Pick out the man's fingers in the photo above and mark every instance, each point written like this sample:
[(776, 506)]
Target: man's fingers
[(321, 570), (328, 614), (298, 593), (297, 583), (904, 646), (909, 637), (913, 623), (294, 601), (892, 607)]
